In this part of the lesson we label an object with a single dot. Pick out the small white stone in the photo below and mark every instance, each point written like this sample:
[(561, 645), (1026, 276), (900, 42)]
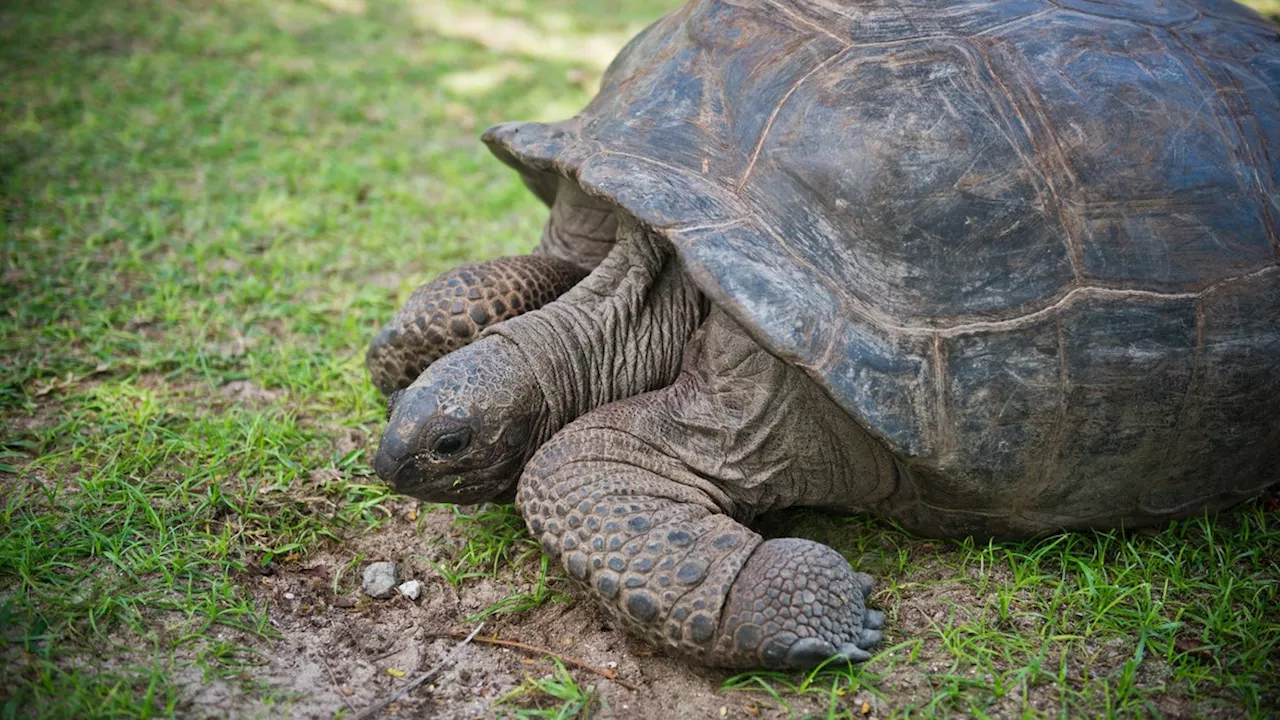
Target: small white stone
[(611, 665), (289, 596), (380, 579), (411, 589)]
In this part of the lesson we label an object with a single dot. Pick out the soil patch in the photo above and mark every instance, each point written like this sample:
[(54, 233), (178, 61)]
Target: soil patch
[(340, 650)]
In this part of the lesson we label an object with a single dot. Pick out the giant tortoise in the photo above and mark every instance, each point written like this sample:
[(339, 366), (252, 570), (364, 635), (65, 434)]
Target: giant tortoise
[(990, 269)]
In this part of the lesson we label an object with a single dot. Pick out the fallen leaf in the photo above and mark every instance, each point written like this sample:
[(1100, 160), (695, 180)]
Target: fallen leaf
[(45, 387), (1193, 648), (1271, 503)]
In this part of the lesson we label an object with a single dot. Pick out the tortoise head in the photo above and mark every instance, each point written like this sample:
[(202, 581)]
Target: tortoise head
[(463, 430)]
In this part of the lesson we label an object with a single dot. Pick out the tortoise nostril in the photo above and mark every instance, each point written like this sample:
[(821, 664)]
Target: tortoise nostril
[(452, 443), (391, 402)]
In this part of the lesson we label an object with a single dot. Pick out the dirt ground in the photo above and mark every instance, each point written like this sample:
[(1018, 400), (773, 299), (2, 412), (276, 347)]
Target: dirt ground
[(346, 652), (342, 653)]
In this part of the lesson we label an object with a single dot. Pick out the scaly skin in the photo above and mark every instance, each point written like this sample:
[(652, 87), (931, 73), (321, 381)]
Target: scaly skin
[(462, 431), (453, 309), (581, 229), (644, 497), (643, 502)]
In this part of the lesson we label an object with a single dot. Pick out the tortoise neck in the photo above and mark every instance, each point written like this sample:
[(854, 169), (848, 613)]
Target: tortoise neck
[(580, 230), (618, 333)]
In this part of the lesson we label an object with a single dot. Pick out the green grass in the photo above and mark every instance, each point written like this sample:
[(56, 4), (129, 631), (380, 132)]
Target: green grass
[(494, 542), (1270, 8), (556, 696), (1184, 620), (198, 194), (206, 210)]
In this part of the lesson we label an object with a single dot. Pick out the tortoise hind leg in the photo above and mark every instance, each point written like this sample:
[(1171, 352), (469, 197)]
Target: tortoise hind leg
[(452, 310)]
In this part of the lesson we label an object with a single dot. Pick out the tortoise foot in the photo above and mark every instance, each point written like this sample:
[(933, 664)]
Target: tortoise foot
[(796, 604)]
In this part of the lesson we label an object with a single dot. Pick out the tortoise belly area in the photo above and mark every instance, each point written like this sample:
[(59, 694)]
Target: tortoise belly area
[(1078, 506)]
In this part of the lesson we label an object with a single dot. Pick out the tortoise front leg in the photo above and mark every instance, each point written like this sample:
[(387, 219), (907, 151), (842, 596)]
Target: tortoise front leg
[(454, 308), (652, 542), (641, 500), (451, 311)]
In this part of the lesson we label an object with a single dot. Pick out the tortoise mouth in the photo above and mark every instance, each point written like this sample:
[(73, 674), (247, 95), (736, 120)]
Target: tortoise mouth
[(464, 487)]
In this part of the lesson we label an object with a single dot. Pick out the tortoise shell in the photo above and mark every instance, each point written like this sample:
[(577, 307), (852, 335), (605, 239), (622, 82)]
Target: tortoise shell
[(1030, 245)]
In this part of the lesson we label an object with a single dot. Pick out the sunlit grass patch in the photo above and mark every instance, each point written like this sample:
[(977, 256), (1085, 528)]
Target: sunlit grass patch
[(1270, 8)]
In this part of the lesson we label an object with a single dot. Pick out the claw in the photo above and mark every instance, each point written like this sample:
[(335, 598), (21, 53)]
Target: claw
[(874, 619), (807, 653), (853, 653), (868, 638), (865, 582)]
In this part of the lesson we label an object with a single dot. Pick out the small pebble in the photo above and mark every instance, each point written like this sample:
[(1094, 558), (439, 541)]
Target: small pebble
[(411, 589), (289, 596), (380, 579)]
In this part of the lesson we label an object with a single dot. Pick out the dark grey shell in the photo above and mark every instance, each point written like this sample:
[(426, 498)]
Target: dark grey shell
[(1031, 245)]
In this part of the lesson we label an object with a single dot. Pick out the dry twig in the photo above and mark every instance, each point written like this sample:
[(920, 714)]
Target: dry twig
[(337, 685), (606, 674), (377, 707)]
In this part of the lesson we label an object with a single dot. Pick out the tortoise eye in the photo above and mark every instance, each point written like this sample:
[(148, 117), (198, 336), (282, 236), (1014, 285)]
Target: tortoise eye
[(452, 443)]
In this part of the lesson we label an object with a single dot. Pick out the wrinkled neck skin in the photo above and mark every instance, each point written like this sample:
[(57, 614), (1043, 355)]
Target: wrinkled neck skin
[(463, 431), (620, 332), (580, 230)]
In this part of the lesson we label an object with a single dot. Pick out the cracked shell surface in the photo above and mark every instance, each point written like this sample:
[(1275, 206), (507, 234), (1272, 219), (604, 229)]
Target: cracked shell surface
[(1031, 246)]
